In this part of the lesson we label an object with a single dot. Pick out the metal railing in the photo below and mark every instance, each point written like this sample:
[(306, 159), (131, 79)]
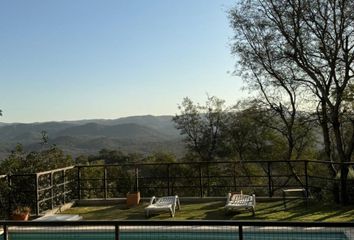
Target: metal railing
[(200, 179), (47, 190), (184, 230), (41, 191)]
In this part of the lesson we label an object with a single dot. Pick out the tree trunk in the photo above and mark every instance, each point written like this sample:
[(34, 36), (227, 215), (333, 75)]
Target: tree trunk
[(288, 158), (343, 184), (342, 157), (323, 119)]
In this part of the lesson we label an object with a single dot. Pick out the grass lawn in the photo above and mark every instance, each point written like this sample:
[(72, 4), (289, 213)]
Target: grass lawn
[(267, 211)]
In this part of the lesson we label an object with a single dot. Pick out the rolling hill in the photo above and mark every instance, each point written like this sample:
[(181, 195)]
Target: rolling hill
[(138, 134)]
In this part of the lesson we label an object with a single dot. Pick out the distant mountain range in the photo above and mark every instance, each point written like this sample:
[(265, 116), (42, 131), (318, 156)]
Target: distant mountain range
[(138, 134)]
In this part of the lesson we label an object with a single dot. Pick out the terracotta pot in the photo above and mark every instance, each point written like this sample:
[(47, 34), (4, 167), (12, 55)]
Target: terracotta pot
[(20, 216), (133, 199)]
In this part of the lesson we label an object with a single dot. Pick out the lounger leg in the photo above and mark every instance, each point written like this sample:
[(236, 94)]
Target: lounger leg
[(171, 212), (147, 214)]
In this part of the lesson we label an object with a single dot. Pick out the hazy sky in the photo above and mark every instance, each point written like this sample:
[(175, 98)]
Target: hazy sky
[(82, 59)]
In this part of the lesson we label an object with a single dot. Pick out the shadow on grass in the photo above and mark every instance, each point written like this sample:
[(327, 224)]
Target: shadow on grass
[(270, 206), (114, 212), (212, 205), (265, 211), (320, 212)]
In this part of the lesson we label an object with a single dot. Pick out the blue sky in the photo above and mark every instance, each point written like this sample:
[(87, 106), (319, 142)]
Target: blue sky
[(83, 59)]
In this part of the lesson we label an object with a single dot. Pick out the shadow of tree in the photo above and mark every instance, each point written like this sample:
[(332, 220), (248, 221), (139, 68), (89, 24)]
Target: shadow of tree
[(215, 214), (296, 211), (320, 213), (115, 212), (270, 206)]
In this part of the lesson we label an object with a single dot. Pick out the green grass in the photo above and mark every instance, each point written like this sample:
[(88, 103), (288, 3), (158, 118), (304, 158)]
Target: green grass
[(267, 211)]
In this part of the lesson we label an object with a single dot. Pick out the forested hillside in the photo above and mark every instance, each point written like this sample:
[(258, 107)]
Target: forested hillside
[(138, 134)]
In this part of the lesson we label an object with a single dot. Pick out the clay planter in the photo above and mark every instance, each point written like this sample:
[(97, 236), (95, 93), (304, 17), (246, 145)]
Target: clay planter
[(133, 199), (20, 216), (20, 213)]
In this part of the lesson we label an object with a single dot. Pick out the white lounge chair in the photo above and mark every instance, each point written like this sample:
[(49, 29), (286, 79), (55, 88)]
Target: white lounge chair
[(163, 204), (237, 202)]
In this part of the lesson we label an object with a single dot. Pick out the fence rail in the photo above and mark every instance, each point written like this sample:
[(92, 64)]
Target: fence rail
[(204, 179), (184, 230), (40, 191), (47, 190)]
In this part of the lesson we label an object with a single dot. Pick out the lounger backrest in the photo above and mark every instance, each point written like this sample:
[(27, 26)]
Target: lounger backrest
[(242, 199), (166, 200)]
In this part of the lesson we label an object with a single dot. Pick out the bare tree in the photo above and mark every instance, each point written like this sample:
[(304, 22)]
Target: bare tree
[(307, 44)]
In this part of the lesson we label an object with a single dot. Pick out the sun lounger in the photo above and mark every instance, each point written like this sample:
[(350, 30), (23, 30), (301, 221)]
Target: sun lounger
[(163, 204), (237, 202)]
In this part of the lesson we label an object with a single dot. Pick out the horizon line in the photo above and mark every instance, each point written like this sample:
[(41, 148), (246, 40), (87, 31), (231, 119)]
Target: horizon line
[(86, 119)]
